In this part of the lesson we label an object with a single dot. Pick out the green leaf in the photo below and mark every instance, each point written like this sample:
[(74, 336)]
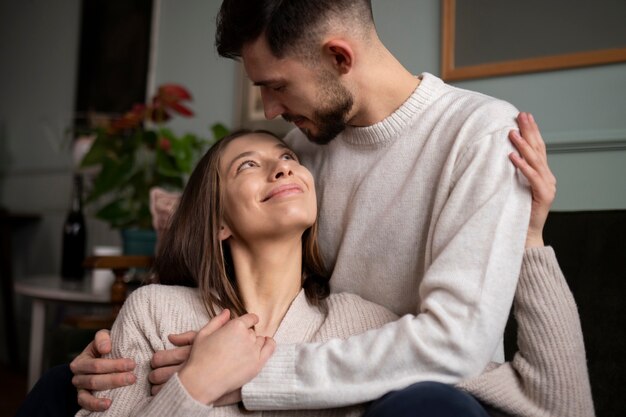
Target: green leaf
[(117, 213), (98, 151), (112, 175), (166, 165), (182, 150), (219, 131)]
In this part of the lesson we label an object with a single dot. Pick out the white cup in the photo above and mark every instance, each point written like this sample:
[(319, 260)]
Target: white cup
[(102, 279)]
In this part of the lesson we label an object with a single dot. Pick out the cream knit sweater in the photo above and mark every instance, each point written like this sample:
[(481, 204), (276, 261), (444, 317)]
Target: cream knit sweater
[(548, 376), (424, 214)]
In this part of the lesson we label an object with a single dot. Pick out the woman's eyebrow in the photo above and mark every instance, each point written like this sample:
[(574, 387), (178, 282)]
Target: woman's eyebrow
[(241, 155)]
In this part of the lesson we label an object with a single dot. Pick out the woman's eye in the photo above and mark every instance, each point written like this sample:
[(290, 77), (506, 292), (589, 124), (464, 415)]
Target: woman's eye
[(246, 165), (288, 156), (279, 88)]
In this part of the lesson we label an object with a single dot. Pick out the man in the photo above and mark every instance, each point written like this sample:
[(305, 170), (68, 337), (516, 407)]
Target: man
[(421, 211)]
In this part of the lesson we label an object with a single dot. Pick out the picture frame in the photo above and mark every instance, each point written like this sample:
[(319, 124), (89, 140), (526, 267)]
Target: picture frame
[(528, 36), (250, 108)]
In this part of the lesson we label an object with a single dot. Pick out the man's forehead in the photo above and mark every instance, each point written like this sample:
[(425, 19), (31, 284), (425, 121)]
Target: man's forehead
[(262, 66)]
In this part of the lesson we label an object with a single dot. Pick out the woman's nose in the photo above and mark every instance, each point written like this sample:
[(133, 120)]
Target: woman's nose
[(282, 169)]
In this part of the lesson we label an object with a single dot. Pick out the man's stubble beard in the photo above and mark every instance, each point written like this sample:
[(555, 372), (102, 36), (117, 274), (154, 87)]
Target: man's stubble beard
[(332, 120)]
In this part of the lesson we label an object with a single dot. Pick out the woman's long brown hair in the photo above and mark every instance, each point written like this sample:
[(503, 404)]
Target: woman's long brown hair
[(191, 254)]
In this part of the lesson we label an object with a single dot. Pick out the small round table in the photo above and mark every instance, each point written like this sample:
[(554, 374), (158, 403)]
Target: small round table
[(47, 289)]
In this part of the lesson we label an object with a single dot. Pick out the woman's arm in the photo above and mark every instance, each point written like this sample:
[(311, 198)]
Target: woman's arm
[(136, 334), (548, 375)]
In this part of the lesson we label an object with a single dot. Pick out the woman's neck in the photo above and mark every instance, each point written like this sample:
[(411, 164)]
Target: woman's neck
[(269, 277)]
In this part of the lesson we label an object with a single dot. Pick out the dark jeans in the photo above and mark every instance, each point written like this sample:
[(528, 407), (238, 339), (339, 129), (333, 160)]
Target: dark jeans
[(52, 396), (55, 396), (426, 399)]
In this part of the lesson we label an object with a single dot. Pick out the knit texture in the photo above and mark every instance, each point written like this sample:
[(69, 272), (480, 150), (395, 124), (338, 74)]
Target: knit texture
[(548, 377), (424, 214)]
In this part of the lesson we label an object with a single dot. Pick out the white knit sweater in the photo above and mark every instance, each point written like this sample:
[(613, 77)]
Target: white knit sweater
[(423, 213), (548, 377)]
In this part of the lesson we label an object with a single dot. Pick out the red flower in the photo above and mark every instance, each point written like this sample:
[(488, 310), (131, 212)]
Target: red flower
[(165, 144), (168, 99)]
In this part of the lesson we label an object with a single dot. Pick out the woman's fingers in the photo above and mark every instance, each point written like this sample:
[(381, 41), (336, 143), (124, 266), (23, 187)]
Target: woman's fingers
[(266, 351), (249, 320), (530, 131), (532, 161)]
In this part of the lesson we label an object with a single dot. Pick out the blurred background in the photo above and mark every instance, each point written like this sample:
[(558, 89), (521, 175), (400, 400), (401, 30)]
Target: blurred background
[(54, 69)]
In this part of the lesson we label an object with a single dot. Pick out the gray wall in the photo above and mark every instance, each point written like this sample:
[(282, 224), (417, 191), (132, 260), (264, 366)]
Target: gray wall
[(38, 48)]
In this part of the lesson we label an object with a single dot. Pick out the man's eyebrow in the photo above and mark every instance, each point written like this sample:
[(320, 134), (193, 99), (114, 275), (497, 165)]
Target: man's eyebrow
[(265, 83)]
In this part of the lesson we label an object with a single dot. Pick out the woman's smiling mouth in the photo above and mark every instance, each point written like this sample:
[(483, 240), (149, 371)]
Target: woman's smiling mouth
[(283, 191)]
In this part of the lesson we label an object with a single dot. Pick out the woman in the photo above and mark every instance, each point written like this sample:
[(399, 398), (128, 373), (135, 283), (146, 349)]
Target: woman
[(243, 239)]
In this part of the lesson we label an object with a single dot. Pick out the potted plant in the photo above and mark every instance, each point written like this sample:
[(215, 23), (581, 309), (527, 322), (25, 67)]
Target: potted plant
[(136, 152)]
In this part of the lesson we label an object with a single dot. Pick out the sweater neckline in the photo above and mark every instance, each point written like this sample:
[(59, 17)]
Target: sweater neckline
[(389, 128), (300, 322)]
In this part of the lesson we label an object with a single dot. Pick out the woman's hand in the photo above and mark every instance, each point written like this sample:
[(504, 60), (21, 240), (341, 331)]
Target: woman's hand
[(226, 354), (533, 163)]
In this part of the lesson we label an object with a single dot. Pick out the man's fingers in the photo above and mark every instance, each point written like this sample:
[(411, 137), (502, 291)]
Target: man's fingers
[(101, 366), (102, 342), (154, 390), (103, 382), (183, 339), (160, 376), (91, 403)]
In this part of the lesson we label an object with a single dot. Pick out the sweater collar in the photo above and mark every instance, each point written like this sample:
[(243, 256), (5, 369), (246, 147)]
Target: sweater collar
[(391, 127), (300, 323)]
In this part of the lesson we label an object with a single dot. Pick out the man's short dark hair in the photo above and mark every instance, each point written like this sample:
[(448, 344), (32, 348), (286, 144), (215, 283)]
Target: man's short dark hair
[(290, 26)]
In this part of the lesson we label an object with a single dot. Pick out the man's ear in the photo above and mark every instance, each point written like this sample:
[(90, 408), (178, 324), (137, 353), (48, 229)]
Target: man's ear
[(224, 232), (340, 54)]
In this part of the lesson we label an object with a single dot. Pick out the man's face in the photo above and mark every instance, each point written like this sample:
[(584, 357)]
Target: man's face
[(312, 98)]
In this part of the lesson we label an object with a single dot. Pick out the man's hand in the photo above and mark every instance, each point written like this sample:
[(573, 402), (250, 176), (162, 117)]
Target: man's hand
[(165, 363), (92, 373)]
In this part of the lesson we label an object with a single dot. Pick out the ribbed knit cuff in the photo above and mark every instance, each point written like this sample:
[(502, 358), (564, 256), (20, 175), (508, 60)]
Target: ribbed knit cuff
[(174, 400), (274, 387), (541, 268)]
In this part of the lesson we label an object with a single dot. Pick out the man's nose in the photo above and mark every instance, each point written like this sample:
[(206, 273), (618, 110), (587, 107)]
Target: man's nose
[(271, 106)]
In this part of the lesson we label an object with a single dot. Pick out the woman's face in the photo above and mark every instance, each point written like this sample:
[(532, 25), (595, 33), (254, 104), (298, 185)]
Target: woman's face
[(266, 192)]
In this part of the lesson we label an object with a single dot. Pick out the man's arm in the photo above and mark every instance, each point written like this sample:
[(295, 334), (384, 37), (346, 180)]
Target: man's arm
[(474, 255)]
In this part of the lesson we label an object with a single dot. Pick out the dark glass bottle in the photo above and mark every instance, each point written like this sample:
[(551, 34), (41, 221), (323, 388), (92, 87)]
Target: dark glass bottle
[(74, 236)]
